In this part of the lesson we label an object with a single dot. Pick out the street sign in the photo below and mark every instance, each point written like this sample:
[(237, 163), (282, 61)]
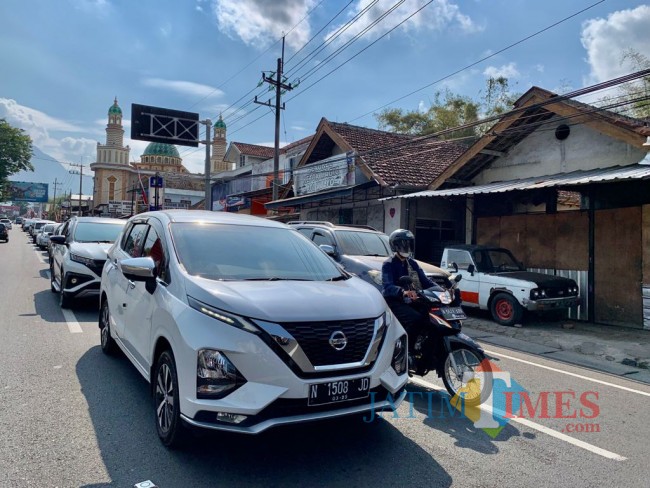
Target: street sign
[(156, 182), (22, 191), (156, 124)]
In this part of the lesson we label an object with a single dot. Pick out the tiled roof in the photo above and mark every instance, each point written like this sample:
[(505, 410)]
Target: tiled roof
[(304, 140), (400, 159), (255, 150)]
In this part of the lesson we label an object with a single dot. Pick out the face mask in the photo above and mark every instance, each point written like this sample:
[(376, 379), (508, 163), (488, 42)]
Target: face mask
[(404, 254)]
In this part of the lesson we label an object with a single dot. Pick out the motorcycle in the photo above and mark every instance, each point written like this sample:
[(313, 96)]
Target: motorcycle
[(443, 348)]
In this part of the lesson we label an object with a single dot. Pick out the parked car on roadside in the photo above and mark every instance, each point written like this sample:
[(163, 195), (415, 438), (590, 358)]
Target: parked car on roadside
[(494, 280), (79, 255), (241, 324), (4, 233), (19, 221), (55, 232), (7, 223), (43, 236), (36, 228), (360, 249)]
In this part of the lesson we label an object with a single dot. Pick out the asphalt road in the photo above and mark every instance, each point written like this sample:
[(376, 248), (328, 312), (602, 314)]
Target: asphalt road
[(71, 416)]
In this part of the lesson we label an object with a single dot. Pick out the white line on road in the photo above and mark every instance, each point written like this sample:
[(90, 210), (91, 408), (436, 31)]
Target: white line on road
[(535, 426), (613, 385), (73, 325)]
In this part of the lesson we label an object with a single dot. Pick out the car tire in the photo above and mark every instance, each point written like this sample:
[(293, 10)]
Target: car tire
[(170, 427), (64, 300), (52, 287), (109, 347), (506, 310)]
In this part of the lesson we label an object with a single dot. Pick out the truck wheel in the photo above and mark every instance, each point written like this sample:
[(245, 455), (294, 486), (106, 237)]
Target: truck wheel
[(505, 309)]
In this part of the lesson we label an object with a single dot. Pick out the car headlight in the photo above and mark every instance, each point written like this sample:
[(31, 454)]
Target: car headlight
[(537, 293), (222, 316), (216, 376), (82, 259), (400, 355), (375, 275)]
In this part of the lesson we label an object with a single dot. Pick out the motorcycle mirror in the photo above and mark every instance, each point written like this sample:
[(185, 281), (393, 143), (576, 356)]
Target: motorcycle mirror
[(405, 281), (457, 278)]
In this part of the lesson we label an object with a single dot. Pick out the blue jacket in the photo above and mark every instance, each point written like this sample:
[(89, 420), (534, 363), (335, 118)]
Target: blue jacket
[(393, 269)]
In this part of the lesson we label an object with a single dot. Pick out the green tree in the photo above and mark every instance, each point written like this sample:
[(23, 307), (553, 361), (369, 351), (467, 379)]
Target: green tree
[(639, 89), (15, 153), (449, 110)]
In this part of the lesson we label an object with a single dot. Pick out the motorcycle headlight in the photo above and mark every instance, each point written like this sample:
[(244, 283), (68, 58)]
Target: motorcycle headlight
[(216, 376), (445, 298)]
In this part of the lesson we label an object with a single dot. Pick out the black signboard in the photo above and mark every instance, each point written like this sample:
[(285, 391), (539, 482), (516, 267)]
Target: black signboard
[(156, 124)]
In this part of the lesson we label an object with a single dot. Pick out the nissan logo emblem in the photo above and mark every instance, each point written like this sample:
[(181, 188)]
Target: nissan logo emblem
[(338, 340)]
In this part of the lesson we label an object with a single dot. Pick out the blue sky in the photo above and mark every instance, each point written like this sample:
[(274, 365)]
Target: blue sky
[(64, 61)]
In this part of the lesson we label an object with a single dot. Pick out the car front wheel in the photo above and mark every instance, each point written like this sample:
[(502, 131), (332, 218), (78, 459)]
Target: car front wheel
[(107, 342), (64, 300), (166, 401), (506, 310)]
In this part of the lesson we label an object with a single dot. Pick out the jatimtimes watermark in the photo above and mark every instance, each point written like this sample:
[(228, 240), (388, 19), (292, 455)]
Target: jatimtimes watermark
[(502, 400)]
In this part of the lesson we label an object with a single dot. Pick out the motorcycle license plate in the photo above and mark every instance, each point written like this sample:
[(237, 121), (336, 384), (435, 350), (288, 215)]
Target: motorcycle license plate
[(453, 313), (338, 391)]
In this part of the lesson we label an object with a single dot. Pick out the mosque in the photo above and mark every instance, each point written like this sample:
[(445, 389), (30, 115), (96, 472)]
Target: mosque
[(121, 186)]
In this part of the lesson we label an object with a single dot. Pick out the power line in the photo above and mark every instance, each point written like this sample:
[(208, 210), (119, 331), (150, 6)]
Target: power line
[(480, 60)]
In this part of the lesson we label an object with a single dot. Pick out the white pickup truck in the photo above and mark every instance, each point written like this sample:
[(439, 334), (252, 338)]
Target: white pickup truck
[(494, 280)]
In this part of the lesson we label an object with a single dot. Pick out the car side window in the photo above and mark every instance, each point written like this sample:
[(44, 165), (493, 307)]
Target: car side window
[(321, 238), (305, 231), (64, 230), (154, 248), (461, 258), (135, 240)]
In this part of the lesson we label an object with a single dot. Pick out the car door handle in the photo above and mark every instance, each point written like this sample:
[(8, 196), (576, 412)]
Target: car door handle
[(131, 284)]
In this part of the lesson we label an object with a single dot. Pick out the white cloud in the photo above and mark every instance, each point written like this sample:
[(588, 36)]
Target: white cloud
[(199, 8), (261, 22), (183, 87), (539, 68), (436, 16), (298, 128), (166, 29), (98, 7), (31, 119), (607, 40), (507, 71)]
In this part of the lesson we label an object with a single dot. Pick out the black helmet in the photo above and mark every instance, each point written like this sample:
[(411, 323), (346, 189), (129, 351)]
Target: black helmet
[(402, 241)]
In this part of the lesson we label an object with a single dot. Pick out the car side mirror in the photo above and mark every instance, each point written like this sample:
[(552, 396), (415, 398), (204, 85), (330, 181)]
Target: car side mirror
[(470, 269), (140, 269), (455, 266), (327, 249), (57, 239)]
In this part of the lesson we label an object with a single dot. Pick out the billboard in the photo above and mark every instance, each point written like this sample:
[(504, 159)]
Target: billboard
[(22, 191), (157, 124)]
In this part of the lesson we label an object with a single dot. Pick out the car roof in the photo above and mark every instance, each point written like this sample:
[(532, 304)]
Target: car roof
[(101, 220), (206, 216), (475, 247), (330, 225)]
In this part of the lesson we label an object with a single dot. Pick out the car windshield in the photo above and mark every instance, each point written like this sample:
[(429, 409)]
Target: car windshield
[(355, 243), (48, 228), (496, 261), (38, 225), (97, 231), (243, 252)]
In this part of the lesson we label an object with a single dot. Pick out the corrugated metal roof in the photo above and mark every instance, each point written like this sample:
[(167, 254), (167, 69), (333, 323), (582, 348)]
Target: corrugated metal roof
[(634, 172)]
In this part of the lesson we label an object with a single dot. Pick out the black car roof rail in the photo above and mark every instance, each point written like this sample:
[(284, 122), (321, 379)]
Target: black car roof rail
[(314, 222)]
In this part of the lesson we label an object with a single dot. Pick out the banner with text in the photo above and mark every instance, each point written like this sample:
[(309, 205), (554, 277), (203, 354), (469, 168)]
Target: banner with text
[(333, 172), (21, 191)]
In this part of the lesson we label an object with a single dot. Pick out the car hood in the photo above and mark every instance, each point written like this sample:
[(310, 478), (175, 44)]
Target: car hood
[(376, 262), (92, 250), (290, 301), (540, 279)]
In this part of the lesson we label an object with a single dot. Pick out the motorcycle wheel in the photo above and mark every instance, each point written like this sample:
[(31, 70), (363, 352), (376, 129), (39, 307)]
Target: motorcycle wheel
[(465, 382)]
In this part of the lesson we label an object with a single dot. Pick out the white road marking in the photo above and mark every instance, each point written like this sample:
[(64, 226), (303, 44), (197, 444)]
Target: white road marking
[(41, 258), (73, 325), (613, 385), (535, 426)]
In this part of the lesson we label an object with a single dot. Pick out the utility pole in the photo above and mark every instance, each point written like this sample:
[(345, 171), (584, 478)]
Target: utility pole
[(208, 142), (81, 173), (279, 86), (54, 200)]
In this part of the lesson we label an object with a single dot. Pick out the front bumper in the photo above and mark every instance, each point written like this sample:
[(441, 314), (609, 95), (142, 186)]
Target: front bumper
[(296, 411), (550, 303), (87, 282)]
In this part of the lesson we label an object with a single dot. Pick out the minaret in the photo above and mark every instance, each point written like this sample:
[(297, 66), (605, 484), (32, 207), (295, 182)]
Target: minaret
[(219, 148), (114, 129)]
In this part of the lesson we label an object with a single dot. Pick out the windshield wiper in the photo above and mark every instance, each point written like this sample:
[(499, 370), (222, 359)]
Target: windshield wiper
[(375, 254), (339, 278), (276, 278)]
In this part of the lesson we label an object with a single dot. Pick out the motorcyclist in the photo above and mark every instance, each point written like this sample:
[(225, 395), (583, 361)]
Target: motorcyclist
[(399, 298)]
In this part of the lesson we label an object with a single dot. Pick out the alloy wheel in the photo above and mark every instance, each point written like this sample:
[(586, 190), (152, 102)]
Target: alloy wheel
[(164, 398)]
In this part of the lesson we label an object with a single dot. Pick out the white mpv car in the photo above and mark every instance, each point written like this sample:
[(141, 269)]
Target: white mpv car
[(241, 323)]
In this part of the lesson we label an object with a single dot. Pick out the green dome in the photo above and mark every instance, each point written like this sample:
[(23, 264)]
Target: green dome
[(160, 149), (220, 124), (115, 109)]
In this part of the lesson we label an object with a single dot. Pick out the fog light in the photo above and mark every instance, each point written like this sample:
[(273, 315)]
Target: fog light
[(231, 418), (73, 281)]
